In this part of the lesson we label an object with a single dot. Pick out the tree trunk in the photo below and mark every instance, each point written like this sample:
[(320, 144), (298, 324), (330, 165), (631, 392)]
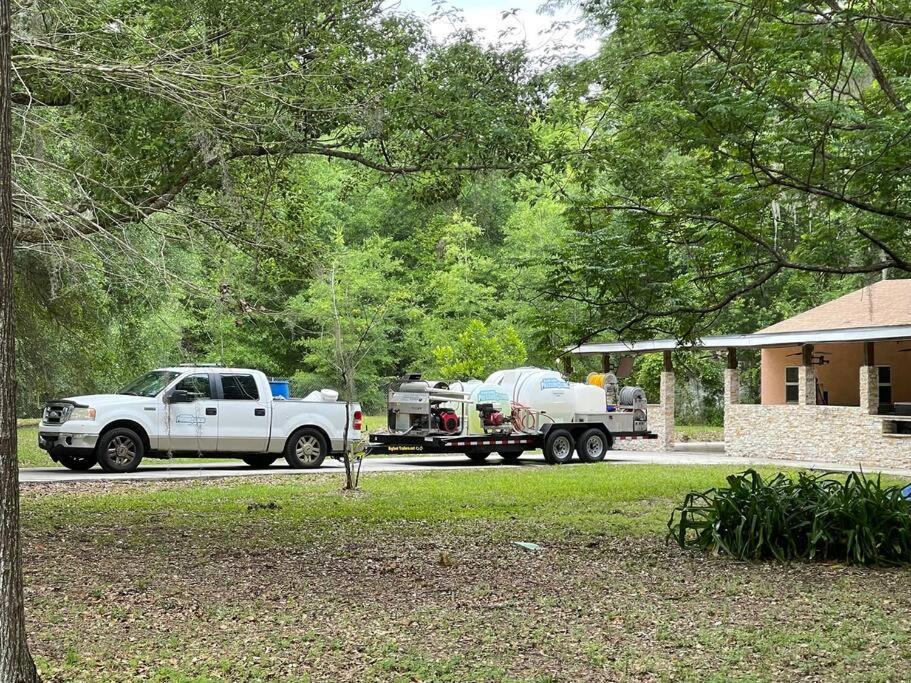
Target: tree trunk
[(16, 665)]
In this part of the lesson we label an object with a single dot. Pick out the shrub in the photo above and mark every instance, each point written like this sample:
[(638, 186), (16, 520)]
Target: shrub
[(854, 519)]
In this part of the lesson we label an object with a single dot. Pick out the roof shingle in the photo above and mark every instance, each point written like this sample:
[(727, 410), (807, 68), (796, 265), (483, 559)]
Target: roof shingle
[(887, 302)]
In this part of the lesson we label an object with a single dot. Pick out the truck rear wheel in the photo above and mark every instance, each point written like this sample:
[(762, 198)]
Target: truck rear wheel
[(78, 463), (592, 446), (259, 460), (120, 450), (306, 449), (558, 447)]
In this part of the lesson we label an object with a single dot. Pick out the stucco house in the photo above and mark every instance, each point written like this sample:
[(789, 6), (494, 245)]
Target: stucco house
[(835, 382)]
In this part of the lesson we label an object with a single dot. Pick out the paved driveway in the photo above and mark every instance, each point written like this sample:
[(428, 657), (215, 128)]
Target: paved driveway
[(159, 469)]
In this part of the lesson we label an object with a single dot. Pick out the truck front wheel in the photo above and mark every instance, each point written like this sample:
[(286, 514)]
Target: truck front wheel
[(306, 449), (120, 450)]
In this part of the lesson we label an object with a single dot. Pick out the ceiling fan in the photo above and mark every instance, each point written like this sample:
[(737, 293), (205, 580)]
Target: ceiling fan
[(818, 357)]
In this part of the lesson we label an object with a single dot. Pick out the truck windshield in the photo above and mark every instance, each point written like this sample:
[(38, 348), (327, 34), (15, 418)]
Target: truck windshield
[(150, 384)]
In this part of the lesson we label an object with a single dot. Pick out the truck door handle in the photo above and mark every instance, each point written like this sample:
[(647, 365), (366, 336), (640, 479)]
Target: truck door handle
[(211, 411), (259, 412)]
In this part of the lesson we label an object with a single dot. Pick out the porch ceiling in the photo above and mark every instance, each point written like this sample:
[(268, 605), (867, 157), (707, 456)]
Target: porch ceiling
[(751, 341)]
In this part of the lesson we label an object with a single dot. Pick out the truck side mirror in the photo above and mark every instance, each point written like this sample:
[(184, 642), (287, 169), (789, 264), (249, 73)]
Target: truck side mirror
[(178, 396)]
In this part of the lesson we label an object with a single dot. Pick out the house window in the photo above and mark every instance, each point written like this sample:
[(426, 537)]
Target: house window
[(884, 381), (791, 384)]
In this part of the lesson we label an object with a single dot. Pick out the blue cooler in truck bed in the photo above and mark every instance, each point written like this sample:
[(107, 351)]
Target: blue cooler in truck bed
[(280, 388)]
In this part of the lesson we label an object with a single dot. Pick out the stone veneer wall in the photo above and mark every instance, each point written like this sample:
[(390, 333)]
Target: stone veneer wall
[(845, 435), (656, 424)]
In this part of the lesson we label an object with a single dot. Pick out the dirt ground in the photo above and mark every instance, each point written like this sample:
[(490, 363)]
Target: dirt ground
[(268, 598)]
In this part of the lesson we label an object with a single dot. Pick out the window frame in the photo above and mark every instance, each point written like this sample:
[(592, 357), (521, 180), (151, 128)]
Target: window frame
[(880, 385), (207, 375), (788, 384), (221, 386)]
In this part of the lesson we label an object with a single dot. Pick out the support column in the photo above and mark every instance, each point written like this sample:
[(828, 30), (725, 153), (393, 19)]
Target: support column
[(869, 382), (806, 373), (732, 380), (666, 437)]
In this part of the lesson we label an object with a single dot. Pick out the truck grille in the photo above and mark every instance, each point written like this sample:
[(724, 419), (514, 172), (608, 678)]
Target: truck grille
[(56, 413)]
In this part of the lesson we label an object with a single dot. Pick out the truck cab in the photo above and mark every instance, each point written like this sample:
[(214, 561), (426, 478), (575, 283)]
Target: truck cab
[(201, 411)]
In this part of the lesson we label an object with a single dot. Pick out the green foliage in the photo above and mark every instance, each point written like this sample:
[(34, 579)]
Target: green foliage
[(354, 310), (735, 151), (478, 351), (856, 520)]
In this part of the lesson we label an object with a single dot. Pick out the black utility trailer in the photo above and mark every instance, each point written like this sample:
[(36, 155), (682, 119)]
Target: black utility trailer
[(592, 440)]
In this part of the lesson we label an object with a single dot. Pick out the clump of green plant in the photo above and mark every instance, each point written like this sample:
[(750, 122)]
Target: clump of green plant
[(852, 519)]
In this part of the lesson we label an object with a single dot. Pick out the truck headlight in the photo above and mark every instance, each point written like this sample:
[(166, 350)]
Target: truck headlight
[(83, 414)]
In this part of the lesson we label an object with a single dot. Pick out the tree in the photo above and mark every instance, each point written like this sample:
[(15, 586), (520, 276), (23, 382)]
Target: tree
[(356, 308), (478, 351), (730, 146), (16, 663)]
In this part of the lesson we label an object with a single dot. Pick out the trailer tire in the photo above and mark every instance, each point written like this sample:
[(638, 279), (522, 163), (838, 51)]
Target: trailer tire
[(559, 447), (477, 456), (306, 449), (259, 461), (510, 457), (593, 445)]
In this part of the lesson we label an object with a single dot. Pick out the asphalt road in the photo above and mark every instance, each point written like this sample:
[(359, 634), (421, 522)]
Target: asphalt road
[(155, 470)]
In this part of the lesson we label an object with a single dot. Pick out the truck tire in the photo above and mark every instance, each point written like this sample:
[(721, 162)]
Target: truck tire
[(558, 447), (477, 456), (259, 461), (306, 449), (509, 457), (592, 446), (120, 450), (78, 463)]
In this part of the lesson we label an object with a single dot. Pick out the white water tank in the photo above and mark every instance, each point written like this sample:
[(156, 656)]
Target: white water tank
[(541, 390), (589, 398)]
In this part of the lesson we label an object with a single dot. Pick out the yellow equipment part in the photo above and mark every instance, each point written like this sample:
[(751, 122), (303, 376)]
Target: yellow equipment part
[(596, 379)]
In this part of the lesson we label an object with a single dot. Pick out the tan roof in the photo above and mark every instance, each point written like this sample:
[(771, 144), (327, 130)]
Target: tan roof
[(887, 302)]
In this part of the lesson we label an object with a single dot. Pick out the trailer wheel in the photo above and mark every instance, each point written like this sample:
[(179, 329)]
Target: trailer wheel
[(592, 446), (509, 457), (558, 447), (259, 461), (477, 456)]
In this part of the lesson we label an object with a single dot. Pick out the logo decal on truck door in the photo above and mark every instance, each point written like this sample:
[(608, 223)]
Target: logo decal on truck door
[(189, 419)]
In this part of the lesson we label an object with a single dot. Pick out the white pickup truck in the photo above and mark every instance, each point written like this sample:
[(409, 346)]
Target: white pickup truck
[(196, 411)]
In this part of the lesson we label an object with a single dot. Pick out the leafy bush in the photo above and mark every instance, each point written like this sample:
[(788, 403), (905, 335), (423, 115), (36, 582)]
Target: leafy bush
[(813, 516)]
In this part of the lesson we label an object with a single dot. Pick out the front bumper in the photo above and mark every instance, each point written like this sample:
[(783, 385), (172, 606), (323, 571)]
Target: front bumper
[(66, 443)]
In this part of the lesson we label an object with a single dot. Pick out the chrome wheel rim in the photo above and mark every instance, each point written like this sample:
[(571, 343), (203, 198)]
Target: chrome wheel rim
[(308, 449), (561, 447), (594, 446), (121, 450)]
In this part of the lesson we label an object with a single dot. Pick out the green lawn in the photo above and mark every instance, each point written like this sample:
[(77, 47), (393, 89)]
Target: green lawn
[(417, 578)]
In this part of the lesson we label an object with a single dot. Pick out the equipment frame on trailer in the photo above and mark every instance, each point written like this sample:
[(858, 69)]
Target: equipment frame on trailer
[(386, 443)]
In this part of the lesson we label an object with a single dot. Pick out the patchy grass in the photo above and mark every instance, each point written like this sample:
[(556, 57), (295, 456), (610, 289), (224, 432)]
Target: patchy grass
[(418, 578), (698, 433)]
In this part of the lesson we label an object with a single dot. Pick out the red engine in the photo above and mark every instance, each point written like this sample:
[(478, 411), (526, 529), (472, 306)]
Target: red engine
[(446, 420), (491, 417)]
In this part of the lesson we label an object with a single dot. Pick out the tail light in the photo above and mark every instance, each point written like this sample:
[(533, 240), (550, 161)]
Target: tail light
[(358, 417)]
